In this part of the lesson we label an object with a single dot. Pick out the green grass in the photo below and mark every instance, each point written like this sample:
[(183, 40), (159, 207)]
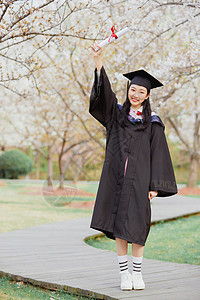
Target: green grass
[(20, 209), (17, 290), (176, 241), (88, 186)]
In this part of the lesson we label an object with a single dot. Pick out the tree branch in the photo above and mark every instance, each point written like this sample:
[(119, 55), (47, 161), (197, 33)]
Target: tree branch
[(82, 122), (74, 73), (4, 11), (161, 33), (30, 11), (179, 135)]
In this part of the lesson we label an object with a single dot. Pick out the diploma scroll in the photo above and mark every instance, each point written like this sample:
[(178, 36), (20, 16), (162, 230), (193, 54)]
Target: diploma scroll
[(113, 37)]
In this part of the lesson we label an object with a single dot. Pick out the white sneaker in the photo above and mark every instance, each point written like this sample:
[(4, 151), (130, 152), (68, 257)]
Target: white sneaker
[(137, 281), (126, 281)]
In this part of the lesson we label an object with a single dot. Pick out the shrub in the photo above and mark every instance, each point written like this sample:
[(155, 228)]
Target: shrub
[(14, 163)]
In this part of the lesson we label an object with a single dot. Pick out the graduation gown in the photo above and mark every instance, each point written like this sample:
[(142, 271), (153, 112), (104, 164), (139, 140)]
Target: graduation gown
[(122, 208)]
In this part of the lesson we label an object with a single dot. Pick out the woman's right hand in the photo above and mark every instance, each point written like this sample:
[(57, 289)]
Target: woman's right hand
[(97, 56), (98, 52)]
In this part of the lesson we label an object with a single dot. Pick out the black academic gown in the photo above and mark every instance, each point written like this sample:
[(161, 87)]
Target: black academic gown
[(122, 208)]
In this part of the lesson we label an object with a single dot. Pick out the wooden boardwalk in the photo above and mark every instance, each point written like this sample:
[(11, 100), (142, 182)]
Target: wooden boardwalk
[(56, 256)]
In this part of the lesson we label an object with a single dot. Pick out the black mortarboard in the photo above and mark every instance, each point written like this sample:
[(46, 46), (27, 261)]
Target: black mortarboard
[(141, 77)]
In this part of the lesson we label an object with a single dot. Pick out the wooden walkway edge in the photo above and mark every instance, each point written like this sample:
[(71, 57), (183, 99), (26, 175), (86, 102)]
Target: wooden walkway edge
[(55, 256)]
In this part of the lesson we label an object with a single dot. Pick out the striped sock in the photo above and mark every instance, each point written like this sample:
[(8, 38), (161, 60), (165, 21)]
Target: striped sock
[(137, 264), (123, 263)]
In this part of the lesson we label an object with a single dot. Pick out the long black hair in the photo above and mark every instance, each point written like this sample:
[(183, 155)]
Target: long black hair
[(146, 113)]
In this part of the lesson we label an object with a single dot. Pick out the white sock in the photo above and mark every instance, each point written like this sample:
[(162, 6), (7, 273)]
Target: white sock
[(123, 263), (137, 263)]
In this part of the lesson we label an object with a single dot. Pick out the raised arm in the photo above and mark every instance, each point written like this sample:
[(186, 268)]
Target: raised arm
[(97, 57), (103, 101)]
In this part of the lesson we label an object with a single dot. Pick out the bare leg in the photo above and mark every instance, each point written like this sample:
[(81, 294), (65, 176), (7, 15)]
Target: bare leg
[(137, 250), (122, 247)]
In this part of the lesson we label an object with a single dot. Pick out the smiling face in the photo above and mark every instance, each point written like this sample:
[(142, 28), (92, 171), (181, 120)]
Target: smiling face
[(136, 95)]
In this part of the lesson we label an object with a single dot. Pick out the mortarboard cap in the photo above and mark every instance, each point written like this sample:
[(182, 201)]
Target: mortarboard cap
[(141, 77)]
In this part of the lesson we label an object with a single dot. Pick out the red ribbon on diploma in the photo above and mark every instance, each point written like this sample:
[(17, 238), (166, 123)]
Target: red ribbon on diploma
[(113, 33)]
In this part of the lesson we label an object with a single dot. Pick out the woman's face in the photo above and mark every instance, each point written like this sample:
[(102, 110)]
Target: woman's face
[(136, 95)]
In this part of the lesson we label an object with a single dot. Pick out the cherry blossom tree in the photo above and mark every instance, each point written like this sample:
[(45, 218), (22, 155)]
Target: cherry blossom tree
[(51, 68)]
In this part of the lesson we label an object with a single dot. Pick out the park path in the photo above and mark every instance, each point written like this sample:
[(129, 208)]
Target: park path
[(56, 256)]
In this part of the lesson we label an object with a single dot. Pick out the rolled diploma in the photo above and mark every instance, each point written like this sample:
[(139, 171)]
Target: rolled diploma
[(106, 41)]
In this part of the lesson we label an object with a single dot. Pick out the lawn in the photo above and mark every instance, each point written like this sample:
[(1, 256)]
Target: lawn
[(176, 241), (16, 290), (21, 209)]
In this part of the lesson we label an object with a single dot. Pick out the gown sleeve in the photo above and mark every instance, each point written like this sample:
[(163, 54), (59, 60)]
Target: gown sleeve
[(103, 101), (162, 174)]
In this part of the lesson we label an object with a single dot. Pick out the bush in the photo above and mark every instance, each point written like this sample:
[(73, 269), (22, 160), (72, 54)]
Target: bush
[(14, 163)]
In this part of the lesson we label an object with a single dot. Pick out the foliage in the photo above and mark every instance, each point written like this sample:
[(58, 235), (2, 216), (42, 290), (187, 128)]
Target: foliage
[(14, 163)]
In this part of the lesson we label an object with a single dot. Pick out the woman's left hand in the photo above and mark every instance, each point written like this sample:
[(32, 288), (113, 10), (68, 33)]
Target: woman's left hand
[(152, 194)]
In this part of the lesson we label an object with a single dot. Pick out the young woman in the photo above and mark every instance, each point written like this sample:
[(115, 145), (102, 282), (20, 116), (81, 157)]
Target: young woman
[(137, 166)]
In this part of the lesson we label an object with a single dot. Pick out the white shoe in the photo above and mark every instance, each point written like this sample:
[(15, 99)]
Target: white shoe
[(137, 281), (126, 281)]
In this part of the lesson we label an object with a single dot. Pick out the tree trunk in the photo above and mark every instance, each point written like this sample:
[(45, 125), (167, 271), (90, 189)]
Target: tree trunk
[(194, 159), (61, 181), (62, 174), (62, 169), (37, 160), (193, 173), (50, 167)]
